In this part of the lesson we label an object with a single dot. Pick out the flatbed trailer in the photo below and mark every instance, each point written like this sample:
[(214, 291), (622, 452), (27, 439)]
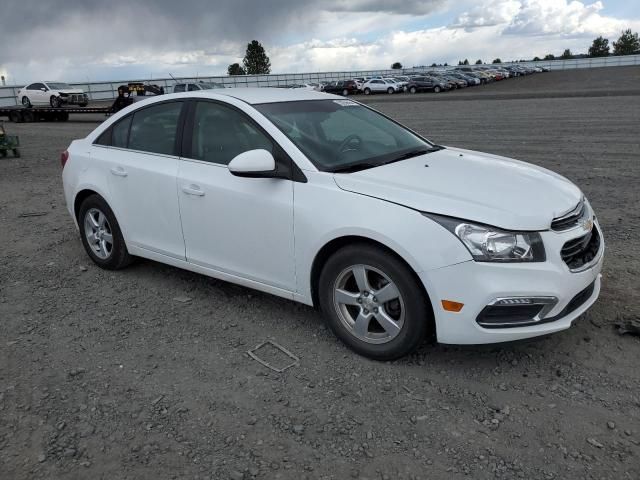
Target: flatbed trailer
[(48, 114), (127, 94)]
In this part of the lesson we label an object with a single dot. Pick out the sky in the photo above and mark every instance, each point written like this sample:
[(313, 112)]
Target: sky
[(100, 40)]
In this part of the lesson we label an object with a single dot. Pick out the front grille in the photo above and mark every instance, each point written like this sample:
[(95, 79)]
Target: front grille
[(569, 220), (582, 250)]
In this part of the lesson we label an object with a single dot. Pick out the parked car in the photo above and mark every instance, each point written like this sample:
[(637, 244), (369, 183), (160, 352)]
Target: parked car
[(471, 80), (459, 82), (342, 87), (379, 85), (426, 84), (195, 86), (451, 83), (391, 251), (360, 81), (54, 94)]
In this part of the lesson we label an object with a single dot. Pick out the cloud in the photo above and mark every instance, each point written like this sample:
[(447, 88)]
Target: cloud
[(80, 39), (488, 14), (541, 17)]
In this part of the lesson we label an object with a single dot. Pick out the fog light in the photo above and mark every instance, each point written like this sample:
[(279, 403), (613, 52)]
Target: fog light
[(515, 311)]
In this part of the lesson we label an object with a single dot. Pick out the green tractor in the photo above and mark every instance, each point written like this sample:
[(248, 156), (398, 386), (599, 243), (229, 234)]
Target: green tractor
[(8, 142)]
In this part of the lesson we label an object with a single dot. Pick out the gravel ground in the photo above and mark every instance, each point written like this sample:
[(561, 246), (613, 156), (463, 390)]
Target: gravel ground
[(143, 373)]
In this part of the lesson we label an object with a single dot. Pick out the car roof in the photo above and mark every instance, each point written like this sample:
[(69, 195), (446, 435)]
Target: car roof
[(255, 96)]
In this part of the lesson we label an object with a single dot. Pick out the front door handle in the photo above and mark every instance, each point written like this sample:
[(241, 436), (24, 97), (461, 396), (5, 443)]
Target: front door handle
[(193, 189), (119, 172)]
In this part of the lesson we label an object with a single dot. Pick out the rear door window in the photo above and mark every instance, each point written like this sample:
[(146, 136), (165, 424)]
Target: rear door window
[(153, 129), (120, 134)]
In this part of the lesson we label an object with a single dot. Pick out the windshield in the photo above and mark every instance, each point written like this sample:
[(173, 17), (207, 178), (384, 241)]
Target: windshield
[(339, 134), (58, 85)]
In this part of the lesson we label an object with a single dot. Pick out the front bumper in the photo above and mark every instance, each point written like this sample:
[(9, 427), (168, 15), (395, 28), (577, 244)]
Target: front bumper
[(75, 98), (478, 284)]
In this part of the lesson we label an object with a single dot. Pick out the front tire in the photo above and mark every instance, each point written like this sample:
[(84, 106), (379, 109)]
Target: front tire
[(373, 303), (26, 103), (436, 89), (413, 90), (345, 92), (55, 102), (389, 90), (101, 235), (367, 91)]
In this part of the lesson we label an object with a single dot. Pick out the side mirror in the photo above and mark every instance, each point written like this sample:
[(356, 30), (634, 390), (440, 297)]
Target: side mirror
[(43, 89), (253, 164)]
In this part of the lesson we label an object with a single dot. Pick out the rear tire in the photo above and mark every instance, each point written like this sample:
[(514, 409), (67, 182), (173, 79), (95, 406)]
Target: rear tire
[(16, 153), (383, 328), (413, 90), (345, 92), (101, 235)]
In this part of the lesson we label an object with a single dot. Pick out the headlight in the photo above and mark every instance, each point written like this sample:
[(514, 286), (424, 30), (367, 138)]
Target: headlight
[(490, 244)]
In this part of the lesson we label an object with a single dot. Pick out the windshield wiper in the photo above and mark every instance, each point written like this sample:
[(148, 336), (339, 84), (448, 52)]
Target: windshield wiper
[(355, 167), (414, 153)]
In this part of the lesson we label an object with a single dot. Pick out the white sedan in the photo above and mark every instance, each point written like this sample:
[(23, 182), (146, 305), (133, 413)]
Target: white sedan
[(324, 201), (54, 94)]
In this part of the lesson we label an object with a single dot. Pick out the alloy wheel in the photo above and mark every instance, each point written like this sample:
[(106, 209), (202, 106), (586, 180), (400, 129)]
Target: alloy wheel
[(368, 304), (98, 233)]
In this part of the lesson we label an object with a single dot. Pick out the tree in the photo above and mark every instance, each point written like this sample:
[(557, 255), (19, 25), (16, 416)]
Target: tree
[(627, 44), (255, 59), (549, 56), (536, 59), (599, 47), (566, 54), (434, 65), (478, 62), (496, 60), (235, 69), (396, 66)]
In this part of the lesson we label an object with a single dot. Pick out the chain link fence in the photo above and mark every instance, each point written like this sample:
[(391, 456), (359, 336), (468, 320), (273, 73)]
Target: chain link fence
[(107, 91)]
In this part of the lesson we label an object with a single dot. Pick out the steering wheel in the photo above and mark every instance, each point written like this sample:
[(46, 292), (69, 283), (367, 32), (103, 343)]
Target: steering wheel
[(355, 139)]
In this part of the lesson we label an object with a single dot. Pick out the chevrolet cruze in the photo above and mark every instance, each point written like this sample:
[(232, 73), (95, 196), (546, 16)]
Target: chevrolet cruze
[(325, 201)]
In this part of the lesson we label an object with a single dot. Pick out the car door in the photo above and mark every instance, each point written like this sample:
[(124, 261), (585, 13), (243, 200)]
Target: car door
[(378, 86), (36, 93), (140, 151), (235, 225)]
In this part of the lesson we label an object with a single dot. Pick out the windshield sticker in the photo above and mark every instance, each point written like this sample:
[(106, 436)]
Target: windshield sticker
[(346, 103)]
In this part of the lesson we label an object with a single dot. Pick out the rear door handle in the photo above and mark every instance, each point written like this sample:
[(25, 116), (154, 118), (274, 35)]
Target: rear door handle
[(193, 190), (119, 172)]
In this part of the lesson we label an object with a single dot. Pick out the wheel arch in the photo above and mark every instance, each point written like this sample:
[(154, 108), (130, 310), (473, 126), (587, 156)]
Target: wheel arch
[(329, 248), (80, 197)]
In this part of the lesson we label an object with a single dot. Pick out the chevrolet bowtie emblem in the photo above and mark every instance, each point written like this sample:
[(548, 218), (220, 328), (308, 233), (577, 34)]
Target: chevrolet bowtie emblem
[(587, 225)]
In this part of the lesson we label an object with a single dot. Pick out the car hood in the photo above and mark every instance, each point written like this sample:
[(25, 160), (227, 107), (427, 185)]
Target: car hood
[(475, 186), (70, 90)]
